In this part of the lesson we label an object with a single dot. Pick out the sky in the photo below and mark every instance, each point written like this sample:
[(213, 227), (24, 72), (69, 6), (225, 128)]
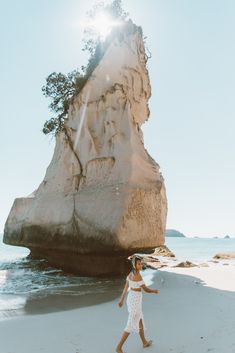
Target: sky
[(190, 132)]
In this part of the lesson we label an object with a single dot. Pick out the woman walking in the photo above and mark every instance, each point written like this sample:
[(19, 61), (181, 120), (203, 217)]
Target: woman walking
[(135, 322)]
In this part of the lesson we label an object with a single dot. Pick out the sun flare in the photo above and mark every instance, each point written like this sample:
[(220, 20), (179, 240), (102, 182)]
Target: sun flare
[(103, 24)]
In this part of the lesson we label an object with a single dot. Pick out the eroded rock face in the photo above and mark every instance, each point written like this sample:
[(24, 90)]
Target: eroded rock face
[(103, 197)]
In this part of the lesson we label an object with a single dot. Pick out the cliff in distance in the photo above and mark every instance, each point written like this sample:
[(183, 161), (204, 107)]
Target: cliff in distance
[(103, 196)]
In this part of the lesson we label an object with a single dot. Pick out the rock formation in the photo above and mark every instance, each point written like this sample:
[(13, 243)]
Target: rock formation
[(103, 196), (185, 264), (163, 250), (225, 256)]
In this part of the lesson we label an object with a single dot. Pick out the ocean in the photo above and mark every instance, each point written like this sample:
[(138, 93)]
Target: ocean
[(199, 249), (34, 287)]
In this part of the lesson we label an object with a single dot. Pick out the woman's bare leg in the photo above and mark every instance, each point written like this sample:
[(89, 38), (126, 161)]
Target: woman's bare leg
[(142, 336), (122, 341)]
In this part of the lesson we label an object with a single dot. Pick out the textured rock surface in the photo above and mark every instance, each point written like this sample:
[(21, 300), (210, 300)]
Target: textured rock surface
[(103, 197)]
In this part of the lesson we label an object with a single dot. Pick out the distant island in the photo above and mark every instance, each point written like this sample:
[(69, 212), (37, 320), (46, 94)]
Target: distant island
[(174, 233), (225, 237)]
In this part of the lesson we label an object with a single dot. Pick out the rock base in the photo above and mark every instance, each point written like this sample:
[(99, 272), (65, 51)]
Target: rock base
[(84, 265)]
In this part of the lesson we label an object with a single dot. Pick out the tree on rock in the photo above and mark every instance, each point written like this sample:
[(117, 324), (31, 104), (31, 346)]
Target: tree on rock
[(62, 88)]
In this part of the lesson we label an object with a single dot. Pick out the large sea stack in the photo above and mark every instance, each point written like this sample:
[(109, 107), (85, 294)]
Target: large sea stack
[(103, 196)]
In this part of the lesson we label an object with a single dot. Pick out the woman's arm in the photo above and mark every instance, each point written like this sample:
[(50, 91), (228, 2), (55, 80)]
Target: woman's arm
[(123, 294), (149, 290)]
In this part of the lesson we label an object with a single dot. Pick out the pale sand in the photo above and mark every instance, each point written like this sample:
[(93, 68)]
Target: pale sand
[(194, 313)]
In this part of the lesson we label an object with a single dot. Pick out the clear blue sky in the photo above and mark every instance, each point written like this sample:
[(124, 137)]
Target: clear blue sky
[(191, 129)]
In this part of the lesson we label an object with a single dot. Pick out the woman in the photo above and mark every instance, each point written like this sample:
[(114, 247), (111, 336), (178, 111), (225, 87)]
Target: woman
[(135, 322)]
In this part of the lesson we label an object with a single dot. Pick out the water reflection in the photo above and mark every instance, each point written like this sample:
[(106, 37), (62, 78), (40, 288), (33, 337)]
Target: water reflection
[(33, 287)]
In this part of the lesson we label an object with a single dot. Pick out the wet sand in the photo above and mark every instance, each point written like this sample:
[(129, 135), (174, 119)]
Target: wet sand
[(193, 313)]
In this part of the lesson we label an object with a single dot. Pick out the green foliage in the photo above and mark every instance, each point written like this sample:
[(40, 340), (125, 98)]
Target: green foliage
[(61, 88)]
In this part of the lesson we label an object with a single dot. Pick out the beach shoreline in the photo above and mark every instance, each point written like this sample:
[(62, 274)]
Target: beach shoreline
[(192, 313)]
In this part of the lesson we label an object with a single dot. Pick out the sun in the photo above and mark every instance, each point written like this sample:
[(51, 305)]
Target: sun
[(103, 24)]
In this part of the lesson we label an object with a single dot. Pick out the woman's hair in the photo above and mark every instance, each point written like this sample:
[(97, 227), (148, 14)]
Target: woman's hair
[(134, 260)]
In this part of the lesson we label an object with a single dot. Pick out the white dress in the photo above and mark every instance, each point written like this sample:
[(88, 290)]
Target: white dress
[(134, 307)]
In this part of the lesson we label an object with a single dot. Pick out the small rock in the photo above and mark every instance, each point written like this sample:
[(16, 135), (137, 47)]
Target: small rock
[(225, 256), (163, 251), (185, 264)]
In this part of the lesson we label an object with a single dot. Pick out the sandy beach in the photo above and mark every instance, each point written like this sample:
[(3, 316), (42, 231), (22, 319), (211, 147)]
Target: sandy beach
[(194, 312), (117, 140)]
